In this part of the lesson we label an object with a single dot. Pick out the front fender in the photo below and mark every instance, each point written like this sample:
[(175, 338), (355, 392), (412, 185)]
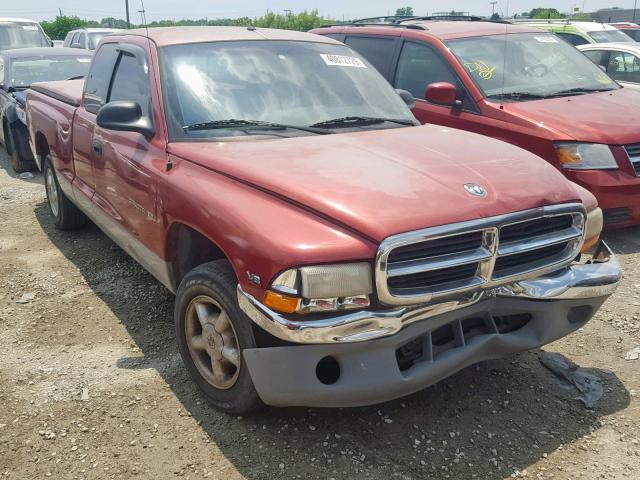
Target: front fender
[(259, 233)]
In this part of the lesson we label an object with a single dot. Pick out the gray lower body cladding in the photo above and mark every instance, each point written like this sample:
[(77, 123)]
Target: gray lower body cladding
[(420, 355)]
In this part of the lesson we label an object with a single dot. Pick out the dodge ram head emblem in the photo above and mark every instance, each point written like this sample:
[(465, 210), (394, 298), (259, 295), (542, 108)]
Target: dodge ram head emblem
[(475, 189)]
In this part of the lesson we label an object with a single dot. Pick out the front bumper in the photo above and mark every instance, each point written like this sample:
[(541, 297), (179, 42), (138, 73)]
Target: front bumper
[(365, 346), (617, 192)]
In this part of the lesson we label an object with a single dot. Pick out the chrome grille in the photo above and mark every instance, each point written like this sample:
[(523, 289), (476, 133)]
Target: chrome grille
[(417, 267), (634, 155)]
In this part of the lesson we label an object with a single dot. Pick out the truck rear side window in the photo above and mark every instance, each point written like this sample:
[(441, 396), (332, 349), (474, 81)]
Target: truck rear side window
[(131, 82), (97, 85)]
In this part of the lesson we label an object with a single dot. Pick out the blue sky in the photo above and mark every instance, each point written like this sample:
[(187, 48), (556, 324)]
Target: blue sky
[(171, 9)]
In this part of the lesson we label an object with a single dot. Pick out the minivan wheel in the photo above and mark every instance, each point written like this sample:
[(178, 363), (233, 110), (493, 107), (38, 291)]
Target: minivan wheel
[(65, 215), (212, 332)]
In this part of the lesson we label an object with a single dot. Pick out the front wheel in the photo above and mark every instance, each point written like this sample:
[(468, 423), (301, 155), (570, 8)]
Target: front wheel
[(212, 332)]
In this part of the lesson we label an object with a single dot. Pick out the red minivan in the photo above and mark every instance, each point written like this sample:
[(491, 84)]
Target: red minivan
[(521, 85)]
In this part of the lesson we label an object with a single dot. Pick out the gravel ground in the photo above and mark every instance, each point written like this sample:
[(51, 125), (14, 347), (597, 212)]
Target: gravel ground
[(93, 386)]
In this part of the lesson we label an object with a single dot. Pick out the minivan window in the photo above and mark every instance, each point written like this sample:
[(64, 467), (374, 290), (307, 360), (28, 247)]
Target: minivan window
[(131, 82), (97, 82), (528, 66), (572, 38), (419, 66), (378, 50), (21, 35), (607, 36), (289, 83)]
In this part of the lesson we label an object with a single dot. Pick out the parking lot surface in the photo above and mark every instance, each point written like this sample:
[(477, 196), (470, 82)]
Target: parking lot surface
[(92, 385)]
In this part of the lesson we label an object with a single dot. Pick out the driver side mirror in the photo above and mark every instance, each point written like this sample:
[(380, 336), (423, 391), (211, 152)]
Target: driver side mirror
[(443, 93), (125, 116)]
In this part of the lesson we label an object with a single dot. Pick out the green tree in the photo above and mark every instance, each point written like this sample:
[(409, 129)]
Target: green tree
[(405, 12), (541, 13), (62, 25)]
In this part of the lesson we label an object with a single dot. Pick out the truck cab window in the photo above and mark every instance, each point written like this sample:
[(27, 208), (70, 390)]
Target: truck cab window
[(131, 82), (97, 83)]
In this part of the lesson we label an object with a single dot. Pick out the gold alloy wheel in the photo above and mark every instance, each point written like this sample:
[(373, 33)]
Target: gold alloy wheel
[(212, 342)]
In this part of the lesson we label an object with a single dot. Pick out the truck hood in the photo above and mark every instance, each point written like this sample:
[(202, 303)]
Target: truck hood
[(603, 117), (384, 182)]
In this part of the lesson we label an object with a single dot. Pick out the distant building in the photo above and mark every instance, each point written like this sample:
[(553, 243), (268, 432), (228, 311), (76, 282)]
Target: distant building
[(613, 15)]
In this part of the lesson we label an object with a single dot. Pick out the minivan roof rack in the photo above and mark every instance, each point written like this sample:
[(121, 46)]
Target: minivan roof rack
[(393, 25), (382, 19), (454, 18)]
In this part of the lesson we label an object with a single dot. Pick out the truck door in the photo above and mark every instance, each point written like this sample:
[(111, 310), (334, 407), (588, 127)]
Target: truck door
[(123, 163), (95, 95)]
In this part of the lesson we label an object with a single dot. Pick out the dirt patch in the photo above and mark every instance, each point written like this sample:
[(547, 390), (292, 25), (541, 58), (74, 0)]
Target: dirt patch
[(93, 386)]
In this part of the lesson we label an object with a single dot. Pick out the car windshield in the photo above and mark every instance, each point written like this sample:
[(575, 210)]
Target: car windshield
[(291, 83), (606, 36), (528, 66), (94, 39), (25, 71), (21, 35)]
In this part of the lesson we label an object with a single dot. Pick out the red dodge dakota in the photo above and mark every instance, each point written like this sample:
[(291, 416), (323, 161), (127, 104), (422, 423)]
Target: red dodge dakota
[(324, 249)]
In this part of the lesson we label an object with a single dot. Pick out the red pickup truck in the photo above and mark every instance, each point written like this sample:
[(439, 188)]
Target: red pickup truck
[(324, 250), (521, 85)]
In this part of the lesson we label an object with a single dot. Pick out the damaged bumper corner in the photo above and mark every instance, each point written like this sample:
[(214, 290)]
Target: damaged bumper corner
[(379, 356)]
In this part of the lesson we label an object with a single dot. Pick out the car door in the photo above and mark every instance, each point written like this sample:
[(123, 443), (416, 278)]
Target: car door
[(419, 65), (126, 184), (624, 67), (3, 98)]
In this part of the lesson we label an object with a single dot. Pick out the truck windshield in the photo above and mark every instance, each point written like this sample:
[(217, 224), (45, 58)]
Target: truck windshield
[(21, 35), (25, 71), (607, 36), (300, 84), (528, 66)]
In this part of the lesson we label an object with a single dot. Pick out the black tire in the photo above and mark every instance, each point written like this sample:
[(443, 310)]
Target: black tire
[(65, 215), (17, 163), (217, 281)]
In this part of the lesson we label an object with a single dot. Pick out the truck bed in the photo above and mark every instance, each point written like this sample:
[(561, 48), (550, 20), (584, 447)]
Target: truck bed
[(67, 91)]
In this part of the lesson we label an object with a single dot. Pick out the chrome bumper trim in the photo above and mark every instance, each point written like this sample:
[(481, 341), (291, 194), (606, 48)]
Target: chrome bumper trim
[(598, 277)]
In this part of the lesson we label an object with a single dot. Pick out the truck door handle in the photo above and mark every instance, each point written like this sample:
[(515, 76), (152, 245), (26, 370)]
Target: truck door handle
[(97, 147)]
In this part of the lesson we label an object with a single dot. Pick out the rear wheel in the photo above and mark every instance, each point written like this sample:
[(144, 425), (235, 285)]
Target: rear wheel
[(212, 332), (66, 216)]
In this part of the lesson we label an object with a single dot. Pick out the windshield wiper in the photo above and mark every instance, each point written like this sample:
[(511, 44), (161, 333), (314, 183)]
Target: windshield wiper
[(577, 91), (358, 121), (517, 96), (233, 123)]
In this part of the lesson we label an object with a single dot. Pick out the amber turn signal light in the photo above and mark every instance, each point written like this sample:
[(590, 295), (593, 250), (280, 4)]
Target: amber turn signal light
[(281, 303)]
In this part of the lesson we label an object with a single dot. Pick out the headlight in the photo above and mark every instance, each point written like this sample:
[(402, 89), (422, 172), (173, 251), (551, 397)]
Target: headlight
[(593, 229), (585, 156), (321, 288), (21, 114)]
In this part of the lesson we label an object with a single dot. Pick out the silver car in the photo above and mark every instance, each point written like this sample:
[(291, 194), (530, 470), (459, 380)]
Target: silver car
[(620, 60)]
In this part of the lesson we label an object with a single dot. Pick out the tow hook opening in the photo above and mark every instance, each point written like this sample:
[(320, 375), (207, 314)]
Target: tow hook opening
[(328, 370)]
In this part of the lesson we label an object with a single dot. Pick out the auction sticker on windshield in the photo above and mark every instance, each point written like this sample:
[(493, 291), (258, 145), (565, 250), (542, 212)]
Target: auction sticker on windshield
[(546, 39), (342, 61)]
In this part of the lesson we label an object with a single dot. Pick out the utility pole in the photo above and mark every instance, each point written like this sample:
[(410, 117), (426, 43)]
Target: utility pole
[(635, 7), (493, 7), (126, 4)]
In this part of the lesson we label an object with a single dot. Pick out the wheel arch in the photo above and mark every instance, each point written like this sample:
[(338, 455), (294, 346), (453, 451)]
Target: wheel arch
[(187, 248)]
